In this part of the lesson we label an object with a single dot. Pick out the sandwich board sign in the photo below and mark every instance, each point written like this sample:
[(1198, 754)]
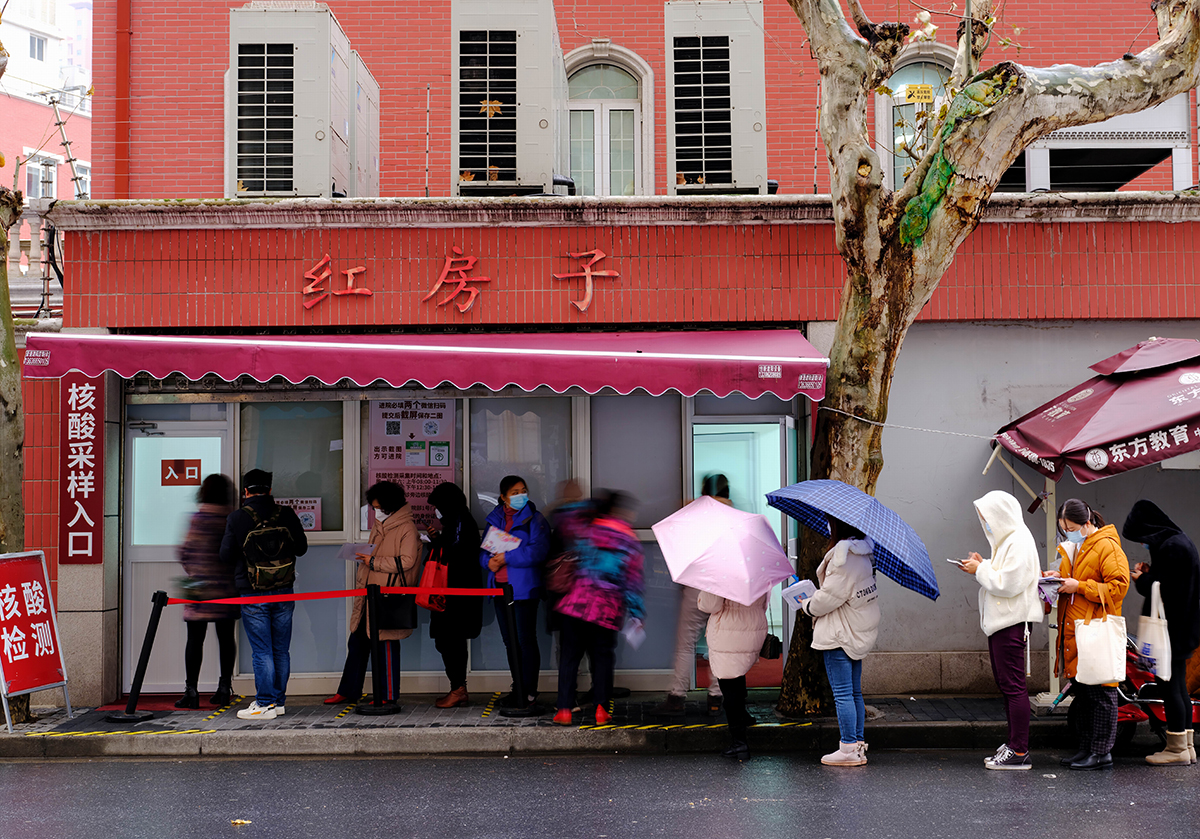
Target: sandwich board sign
[(30, 654)]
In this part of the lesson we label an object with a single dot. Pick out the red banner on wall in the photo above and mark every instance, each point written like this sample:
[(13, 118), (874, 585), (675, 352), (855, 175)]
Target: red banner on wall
[(30, 656), (81, 470)]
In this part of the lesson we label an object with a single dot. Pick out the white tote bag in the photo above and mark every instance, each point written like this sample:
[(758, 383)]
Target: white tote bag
[(1153, 641), (1100, 643)]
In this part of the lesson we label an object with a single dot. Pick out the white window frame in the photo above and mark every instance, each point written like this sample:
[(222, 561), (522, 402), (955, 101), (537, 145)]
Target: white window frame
[(603, 51), (885, 132), (603, 108), (83, 168), (37, 47), (42, 160)]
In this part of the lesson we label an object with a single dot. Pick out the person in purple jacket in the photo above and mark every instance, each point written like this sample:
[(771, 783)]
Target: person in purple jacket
[(522, 569)]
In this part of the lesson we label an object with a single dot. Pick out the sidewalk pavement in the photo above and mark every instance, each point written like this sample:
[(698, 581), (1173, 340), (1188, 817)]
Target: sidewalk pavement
[(312, 728)]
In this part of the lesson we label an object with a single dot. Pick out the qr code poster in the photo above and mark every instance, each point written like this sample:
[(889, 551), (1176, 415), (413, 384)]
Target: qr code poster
[(412, 443)]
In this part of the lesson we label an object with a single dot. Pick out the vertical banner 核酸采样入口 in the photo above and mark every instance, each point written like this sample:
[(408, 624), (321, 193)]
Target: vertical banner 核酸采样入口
[(81, 470)]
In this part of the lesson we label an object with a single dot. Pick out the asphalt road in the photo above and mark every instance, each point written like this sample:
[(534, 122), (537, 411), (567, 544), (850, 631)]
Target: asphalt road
[(917, 794)]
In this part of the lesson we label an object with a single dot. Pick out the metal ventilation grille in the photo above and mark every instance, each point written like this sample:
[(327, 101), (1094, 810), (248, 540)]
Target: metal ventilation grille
[(703, 111), (487, 106), (266, 80)]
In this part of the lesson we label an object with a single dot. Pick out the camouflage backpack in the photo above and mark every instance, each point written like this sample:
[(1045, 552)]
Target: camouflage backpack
[(269, 551)]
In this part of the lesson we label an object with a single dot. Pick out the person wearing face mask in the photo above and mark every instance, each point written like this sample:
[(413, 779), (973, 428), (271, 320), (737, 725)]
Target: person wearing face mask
[(455, 543), (522, 569), (1176, 567), (1008, 604), (397, 550), (1095, 575)]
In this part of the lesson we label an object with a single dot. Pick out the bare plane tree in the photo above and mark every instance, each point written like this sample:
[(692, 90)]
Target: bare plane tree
[(898, 244)]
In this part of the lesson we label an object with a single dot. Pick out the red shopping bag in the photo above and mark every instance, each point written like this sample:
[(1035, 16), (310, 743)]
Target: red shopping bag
[(435, 575)]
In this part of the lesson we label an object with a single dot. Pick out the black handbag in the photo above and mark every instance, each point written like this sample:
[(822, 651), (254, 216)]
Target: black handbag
[(397, 611), (772, 647)]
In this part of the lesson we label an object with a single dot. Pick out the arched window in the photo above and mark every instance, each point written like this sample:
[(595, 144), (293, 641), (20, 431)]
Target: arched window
[(922, 72), (606, 130)]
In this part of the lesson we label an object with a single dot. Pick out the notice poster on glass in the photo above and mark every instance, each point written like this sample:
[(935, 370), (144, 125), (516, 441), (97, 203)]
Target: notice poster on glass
[(307, 509), (412, 443)]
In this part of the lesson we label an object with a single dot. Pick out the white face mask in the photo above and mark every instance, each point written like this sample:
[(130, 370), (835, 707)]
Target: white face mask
[(380, 515), (437, 512)]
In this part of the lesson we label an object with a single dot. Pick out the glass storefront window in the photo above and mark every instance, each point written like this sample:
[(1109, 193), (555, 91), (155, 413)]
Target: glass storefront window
[(637, 447), (525, 436), (301, 443)]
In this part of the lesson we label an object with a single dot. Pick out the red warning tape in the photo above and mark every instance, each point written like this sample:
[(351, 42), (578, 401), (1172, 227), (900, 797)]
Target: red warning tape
[(353, 592)]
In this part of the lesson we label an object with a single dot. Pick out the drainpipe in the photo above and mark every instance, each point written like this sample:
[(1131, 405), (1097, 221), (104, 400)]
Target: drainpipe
[(121, 99)]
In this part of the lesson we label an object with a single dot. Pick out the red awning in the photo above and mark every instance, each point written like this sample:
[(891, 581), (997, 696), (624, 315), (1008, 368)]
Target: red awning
[(781, 362)]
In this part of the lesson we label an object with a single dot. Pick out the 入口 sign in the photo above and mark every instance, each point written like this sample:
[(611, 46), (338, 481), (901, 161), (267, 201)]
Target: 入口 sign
[(181, 473)]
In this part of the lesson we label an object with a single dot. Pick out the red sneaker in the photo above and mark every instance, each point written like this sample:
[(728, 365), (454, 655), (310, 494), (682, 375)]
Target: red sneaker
[(337, 699), (563, 717), (602, 716)]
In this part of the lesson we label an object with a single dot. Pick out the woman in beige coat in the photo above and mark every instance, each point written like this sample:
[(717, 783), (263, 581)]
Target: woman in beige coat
[(397, 551), (735, 636)]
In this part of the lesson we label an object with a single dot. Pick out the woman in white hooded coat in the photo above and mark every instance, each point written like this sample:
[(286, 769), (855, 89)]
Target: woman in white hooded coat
[(1008, 604), (846, 623)]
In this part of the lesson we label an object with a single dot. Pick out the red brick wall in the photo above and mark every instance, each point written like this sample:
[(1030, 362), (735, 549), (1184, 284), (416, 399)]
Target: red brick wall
[(180, 55), (41, 471), (179, 279)]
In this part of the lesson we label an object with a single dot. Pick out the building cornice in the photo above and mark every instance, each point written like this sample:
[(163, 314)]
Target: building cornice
[(652, 211)]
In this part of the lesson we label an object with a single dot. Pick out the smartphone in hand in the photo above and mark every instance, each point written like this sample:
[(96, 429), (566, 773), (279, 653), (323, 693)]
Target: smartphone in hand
[(957, 562)]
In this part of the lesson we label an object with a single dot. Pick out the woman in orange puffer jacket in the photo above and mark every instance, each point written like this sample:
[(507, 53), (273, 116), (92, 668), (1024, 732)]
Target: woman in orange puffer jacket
[(1095, 573)]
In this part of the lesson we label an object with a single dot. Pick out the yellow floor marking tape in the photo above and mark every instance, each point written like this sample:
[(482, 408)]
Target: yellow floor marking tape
[(220, 711), (111, 733), (487, 711)]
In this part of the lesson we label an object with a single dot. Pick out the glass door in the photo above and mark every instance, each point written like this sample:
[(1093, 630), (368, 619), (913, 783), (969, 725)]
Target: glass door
[(164, 465), (757, 456)]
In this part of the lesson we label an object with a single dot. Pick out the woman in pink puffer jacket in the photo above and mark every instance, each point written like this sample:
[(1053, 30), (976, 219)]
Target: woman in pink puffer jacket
[(735, 636)]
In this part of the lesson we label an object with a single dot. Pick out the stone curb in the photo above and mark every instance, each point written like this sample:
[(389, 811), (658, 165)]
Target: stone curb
[(519, 740)]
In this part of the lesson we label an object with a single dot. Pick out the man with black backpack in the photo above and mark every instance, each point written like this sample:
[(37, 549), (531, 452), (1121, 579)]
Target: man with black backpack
[(262, 541)]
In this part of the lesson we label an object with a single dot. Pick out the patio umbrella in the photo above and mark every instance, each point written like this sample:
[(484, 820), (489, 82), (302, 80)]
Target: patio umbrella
[(715, 548), (899, 551), (1143, 408)]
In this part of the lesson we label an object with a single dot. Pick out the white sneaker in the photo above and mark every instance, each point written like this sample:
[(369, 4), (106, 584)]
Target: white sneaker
[(848, 754), (258, 712), (279, 710)]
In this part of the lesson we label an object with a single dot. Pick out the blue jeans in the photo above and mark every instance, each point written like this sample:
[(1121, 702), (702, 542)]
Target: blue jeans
[(269, 630), (845, 677)]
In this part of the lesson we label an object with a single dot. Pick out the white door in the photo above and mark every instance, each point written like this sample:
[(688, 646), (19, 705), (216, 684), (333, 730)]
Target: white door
[(164, 464), (757, 455)]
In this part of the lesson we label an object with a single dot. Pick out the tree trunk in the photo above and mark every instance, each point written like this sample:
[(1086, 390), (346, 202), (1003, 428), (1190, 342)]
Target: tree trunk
[(12, 420)]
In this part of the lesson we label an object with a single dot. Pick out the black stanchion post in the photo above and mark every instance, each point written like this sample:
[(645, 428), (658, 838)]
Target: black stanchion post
[(378, 707), (132, 714), (514, 660)]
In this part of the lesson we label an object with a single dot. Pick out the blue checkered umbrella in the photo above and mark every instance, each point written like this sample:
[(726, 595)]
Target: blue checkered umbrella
[(899, 551)]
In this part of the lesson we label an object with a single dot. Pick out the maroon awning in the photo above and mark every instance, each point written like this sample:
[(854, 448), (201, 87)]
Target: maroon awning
[(780, 362), (1146, 410)]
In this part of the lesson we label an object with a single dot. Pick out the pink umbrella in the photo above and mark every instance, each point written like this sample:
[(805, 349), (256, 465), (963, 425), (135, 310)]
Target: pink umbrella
[(715, 548), (1142, 409)]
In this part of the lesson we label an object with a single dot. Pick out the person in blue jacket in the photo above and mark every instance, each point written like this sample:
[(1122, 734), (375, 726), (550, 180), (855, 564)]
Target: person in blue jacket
[(522, 569)]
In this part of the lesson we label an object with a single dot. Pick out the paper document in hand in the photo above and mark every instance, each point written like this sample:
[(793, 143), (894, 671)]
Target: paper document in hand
[(497, 541), (351, 550), (798, 592)]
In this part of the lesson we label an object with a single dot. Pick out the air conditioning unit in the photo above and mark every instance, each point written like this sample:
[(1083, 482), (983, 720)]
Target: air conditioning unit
[(509, 95), (288, 126), (716, 97), (364, 129)]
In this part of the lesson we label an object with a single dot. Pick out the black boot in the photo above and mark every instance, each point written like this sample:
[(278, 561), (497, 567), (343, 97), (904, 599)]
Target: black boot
[(1094, 761), (190, 698), (1075, 758), (738, 751), (224, 694)]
